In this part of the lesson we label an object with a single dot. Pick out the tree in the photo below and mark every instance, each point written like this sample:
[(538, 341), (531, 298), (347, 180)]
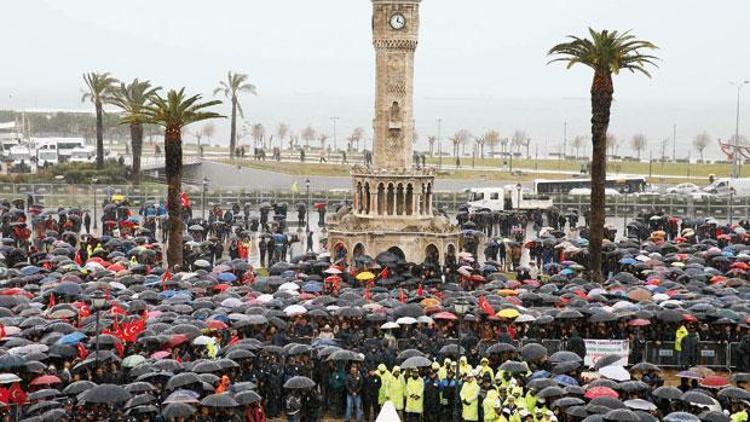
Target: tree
[(131, 99), (99, 88), (492, 139), (460, 138), (258, 133), (612, 144), (282, 129), (355, 138), (208, 131), (322, 138), (480, 141), (308, 134), (606, 53), (235, 84), (292, 141), (664, 144), (519, 140), (173, 113), (431, 142), (639, 143), (701, 141), (578, 143)]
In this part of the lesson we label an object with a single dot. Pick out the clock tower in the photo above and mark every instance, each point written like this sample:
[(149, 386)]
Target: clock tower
[(395, 29), (392, 199)]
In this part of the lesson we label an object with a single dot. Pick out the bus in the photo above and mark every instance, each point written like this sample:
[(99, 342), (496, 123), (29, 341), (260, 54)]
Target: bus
[(622, 184), (63, 146)]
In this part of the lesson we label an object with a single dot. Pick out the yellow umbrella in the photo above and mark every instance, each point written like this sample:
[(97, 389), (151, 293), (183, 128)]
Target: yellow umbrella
[(117, 198), (507, 292), (365, 275), (509, 313), (429, 302)]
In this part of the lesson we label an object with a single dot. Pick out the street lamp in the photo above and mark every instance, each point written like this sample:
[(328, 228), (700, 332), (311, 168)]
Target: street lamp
[(460, 307), (93, 182), (518, 189), (203, 197), (731, 204), (735, 161), (440, 145), (307, 188), (98, 303)]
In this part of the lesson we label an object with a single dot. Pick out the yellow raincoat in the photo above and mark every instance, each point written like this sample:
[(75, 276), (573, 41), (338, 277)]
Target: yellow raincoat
[(414, 387), (470, 395), (740, 416), (385, 378), (463, 367), (680, 334), (485, 368), (488, 406), (396, 389)]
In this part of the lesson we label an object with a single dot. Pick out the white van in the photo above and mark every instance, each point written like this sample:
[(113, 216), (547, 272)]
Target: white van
[(507, 198), (82, 155), (722, 187), (46, 153)]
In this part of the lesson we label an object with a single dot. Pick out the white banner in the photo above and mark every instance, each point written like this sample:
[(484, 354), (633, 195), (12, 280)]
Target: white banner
[(595, 349)]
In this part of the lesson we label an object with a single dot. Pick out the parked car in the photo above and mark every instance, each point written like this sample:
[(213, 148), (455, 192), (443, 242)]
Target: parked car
[(683, 189)]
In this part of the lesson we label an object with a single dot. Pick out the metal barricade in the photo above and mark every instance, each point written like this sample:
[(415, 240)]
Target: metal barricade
[(710, 354), (662, 354)]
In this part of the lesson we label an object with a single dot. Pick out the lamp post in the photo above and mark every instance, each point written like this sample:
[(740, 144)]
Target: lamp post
[(731, 204), (518, 197), (735, 160), (204, 183), (309, 204), (440, 145), (460, 308), (98, 302), (94, 181)]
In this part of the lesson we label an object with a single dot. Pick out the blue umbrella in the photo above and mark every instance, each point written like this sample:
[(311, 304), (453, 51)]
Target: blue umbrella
[(312, 287), (565, 380), (30, 270), (539, 375), (227, 277), (628, 261), (70, 339)]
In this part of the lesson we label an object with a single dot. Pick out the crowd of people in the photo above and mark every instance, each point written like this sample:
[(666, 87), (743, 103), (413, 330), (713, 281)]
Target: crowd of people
[(95, 327)]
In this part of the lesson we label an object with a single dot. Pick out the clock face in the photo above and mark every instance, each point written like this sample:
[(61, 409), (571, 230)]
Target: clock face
[(398, 21)]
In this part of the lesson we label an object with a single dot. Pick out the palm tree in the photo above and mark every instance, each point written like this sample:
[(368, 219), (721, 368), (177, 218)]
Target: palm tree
[(131, 99), (99, 90), (606, 53), (174, 112), (231, 88), (701, 141)]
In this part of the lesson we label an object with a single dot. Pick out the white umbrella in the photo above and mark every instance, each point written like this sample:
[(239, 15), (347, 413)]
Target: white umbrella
[(389, 326), (292, 310), (231, 302), (9, 378), (289, 286), (614, 372), (525, 318), (332, 270), (406, 321), (265, 298), (640, 404), (388, 413), (203, 340), (465, 270), (424, 319)]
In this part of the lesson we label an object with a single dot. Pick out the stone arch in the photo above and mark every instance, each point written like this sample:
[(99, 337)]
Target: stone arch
[(381, 199), (366, 198), (391, 199), (431, 255), (359, 250), (409, 199), (400, 199), (398, 252), (450, 254), (358, 197), (340, 251)]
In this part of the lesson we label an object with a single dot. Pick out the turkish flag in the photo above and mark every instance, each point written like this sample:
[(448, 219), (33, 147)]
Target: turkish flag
[(485, 306), (82, 352), (120, 349), (4, 395), (51, 301), (17, 395)]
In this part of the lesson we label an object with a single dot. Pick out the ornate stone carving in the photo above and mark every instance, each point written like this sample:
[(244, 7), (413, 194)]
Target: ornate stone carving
[(396, 44)]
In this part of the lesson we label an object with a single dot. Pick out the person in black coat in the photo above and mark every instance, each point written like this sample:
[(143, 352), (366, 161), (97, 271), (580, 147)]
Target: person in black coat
[(576, 344), (372, 384), (432, 395)]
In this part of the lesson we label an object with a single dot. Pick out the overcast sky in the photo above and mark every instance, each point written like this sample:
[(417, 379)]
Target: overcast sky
[(480, 63)]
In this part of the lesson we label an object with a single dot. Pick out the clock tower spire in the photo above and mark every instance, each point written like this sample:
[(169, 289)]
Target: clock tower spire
[(395, 28)]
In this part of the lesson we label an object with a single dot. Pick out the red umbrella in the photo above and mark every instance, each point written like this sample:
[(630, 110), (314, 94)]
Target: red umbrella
[(221, 287), (597, 392), (176, 340), (46, 380), (445, 316), (714, 381), (217, 325), (689, 318), (639, 322)]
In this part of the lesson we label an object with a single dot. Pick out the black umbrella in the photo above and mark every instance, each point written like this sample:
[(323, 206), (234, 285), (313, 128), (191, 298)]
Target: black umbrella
[(219, 400), (577, 411), (567, 402), (713, 416), (299, 382), (183, 379), (541, 383), (606, 360), (346, 355), (680, 417), (564, 356), (246, 398), (105, 394), (533, 352), (697, 398), (622, 415), (514, 367), (667, 393), (78, 387), (178, 410), (734, 393), (408, 353), (645, 367), (452, 349), (500, 348), (11, 361), (608, 402), (551, 391)]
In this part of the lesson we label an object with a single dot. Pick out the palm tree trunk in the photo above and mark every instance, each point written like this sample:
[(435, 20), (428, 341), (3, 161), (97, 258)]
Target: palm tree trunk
[(173, 169), (233, 130), (99, 136), (601, 101), (136, 142)]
